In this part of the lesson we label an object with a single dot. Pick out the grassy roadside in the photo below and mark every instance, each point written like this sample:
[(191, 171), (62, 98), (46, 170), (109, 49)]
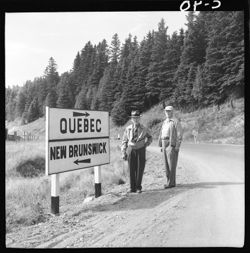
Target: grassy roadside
[(28, 189)]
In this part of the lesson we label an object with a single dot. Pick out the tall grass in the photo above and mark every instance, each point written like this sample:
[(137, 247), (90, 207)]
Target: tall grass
[(18, 152), (27, 201), (224, 124), (221, 125), (28, 190)]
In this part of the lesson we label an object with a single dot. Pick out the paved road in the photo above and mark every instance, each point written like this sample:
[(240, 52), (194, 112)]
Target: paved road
[(214, 212), (219, 157)]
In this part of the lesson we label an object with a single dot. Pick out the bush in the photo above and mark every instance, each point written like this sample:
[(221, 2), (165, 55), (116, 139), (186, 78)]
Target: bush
[(32, 167)]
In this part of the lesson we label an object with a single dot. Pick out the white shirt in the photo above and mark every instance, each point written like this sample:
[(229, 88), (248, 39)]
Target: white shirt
[(166, 128)]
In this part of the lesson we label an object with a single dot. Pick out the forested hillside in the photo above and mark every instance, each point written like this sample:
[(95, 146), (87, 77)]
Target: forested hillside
[(191, 69)]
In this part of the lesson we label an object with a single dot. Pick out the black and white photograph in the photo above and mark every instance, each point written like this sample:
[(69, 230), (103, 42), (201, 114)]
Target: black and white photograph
[(125, 128)]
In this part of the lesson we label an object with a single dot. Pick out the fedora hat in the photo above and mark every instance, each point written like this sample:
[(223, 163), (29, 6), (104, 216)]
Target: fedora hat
[(169, 108), (135, 114)]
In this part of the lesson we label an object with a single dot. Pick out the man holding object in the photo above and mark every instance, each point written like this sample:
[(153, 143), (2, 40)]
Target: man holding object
[(170, 140), (134, 142)]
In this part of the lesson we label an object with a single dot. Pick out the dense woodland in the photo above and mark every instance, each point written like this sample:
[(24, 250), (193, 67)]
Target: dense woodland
[(189, 69)]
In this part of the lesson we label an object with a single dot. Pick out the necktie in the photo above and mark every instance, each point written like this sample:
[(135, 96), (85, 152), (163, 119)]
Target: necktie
[(135, 135)]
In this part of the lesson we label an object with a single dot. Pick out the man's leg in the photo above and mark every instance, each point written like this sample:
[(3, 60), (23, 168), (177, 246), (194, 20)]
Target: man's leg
[(170, 151), (131, 164), (175, 159), (140, 168), (165, 160)]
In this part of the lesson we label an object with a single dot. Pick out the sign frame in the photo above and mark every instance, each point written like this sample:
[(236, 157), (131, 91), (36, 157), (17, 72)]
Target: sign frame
[(47, 141)]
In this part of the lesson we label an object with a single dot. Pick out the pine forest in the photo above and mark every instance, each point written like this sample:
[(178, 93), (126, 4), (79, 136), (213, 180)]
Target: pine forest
[(191, 69)]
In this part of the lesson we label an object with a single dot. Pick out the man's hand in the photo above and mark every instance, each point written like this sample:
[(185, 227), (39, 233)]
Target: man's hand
[(125, 157)]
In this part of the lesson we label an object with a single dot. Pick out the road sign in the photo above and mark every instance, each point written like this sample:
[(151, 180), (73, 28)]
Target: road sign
[(73, 124), (76, 139), (72, 155)]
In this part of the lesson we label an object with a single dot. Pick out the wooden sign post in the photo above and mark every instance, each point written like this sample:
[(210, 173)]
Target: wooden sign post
[(98, 189), (55, 193), (75, 139)]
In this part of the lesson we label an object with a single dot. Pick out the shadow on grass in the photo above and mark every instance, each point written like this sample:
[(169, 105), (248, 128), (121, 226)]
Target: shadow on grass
[(152, 198)]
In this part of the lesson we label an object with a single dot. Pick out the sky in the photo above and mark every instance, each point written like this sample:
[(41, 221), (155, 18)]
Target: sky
[(32, 38)]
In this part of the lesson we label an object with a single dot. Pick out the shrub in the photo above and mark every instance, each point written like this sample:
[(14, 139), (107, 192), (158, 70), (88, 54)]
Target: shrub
[(32, 167)]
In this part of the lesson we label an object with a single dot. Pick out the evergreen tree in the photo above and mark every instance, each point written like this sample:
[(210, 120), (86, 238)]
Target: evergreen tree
[(119, 80), (77, 62), (106, 95), (95, 102), (115, 50), (119, 113), (65, 97), (145, 52), (170, 65), (224, 67), (101, 61), (25, 115), (189, 87), (134, 91), (81, 100), (154, 80), (20, 105), (75, 75), (41, 93), (51, 74), (194, 50), (106, 91), (51, 99), (82, 72), (33, 111), (193, 54), (11, 102), (197, 91)]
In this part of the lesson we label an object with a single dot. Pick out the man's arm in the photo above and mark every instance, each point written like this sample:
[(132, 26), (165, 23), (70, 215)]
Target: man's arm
[(124, 144), (149, 138), (159, 138), (179, 131)]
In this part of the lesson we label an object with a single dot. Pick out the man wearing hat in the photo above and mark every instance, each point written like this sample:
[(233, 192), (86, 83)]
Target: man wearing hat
[(170, 140), (135, 139)]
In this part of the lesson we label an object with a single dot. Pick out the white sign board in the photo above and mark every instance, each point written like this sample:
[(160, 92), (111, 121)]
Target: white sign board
[(72, 124), (76, 139)]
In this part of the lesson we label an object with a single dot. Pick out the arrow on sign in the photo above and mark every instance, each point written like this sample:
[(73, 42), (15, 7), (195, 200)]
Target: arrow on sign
[(82, 161), (77, 114)]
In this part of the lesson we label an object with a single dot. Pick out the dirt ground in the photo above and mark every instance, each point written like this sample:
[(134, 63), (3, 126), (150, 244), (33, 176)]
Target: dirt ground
[(206, 208)]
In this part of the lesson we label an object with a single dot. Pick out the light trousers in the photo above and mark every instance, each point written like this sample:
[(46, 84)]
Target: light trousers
[(170, 158)]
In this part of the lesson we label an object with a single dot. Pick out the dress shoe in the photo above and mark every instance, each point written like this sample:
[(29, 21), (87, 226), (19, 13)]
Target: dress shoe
[(168, 186), (131, 191), (139, 191)]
